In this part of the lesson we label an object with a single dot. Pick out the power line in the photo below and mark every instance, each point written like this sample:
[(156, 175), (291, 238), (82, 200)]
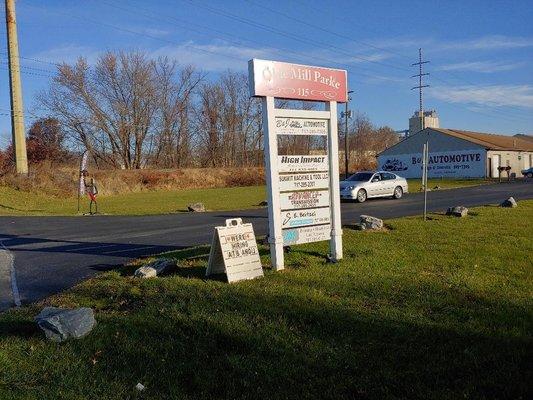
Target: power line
[(192, 47), (307, 56), (314, 26), (31, 68), (290, 35)]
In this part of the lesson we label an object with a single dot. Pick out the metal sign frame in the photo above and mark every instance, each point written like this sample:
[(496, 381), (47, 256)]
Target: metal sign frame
[(270, 113)]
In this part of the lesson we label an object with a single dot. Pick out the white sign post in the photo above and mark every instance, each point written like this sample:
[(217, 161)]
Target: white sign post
[(303, 190)]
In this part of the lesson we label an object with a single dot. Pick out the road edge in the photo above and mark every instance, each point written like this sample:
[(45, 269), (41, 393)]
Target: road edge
[(7, 273)]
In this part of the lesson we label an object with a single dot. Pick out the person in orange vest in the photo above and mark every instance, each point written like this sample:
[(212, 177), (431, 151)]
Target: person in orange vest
[(91, 190)]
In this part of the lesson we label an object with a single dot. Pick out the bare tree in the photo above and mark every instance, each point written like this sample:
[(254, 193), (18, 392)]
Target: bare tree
[(115, 106), (227, 122)]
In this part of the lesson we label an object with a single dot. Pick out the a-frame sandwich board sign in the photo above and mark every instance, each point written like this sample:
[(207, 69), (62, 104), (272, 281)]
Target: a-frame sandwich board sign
[(234, 252)]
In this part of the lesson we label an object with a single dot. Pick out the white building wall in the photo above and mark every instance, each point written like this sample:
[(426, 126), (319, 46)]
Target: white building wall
[(450, 157), (517, 160)]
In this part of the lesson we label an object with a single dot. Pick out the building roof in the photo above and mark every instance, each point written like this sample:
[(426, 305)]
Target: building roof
[(523, 136), (490, 141)]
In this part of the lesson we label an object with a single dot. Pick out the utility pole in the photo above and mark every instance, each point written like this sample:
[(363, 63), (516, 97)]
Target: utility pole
[(420, 86), (15, 88), (425, 151), (346, 114)]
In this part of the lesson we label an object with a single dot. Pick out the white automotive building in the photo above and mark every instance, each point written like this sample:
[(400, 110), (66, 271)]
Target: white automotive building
[(458, 154)]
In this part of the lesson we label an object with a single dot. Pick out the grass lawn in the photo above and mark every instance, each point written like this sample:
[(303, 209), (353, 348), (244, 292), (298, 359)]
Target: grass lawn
[(416, 184), (435, 310), (14, 202)]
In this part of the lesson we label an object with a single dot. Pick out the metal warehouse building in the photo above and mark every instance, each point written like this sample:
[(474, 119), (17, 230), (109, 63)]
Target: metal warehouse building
[(458, 154)]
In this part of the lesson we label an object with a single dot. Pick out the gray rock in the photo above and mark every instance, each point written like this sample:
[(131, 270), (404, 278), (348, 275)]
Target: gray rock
[(157, 267), (60, 324), (145, 272), (368, 222), (457, 211), (196, 207), (510, 202)]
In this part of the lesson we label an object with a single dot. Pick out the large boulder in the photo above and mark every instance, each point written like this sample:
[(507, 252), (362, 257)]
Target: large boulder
[(60, 324), (457, 211), (510, 202), (196, 207), (366, 222), (157, 267)]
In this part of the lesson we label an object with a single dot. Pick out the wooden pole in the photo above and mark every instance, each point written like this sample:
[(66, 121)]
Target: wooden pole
[(17, 109)]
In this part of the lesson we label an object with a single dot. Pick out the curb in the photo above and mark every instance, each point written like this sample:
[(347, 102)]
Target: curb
[(9, 294)]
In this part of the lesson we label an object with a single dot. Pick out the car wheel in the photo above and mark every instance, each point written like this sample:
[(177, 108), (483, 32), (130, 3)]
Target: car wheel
[(361, 195), (398, 192), (529, 175)]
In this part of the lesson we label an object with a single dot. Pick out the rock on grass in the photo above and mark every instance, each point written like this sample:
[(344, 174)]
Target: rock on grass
[(60, 324)]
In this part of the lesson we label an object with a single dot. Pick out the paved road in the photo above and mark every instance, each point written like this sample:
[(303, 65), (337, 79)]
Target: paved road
[(54, 253)]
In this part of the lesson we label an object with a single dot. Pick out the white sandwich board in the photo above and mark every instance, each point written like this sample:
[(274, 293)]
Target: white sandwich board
[(234, 252)]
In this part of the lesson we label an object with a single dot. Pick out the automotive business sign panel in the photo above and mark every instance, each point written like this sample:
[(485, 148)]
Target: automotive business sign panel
[(301, 126), (453, 164), (296, 81), (307, 199)]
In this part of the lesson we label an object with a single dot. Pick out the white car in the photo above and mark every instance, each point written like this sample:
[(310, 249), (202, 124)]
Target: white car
[(365, 185)]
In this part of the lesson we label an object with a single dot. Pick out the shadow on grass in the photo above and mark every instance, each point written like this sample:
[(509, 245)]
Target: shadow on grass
[(19, 209), (16, 325), (287, 345)]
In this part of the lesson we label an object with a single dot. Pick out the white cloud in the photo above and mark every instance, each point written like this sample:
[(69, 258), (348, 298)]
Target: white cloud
[(492, 42), (480, 66), (363, 58), (68, 54), (213, 57), (491, 96), (155, 32)]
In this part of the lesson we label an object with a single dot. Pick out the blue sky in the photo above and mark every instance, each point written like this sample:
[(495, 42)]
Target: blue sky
[(481, 52)]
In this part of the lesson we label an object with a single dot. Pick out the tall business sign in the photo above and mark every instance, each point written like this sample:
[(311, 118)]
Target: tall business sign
[(303, 190)]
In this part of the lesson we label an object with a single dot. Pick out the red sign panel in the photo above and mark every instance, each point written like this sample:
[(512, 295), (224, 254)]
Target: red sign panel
[(295, 81)]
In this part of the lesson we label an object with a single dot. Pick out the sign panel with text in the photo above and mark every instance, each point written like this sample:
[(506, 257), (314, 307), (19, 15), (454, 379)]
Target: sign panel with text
[(296, 81), (306, 235), (234, 252), (453, 164), (302, 163), (306, 180), (312, 216), (307, 199), (301, 126)]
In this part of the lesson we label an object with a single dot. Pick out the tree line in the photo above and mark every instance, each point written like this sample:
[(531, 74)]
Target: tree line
[(130, 111)]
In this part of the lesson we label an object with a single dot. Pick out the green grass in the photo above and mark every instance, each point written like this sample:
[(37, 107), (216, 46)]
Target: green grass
[(435, 310), (416, 184), (15, 202)]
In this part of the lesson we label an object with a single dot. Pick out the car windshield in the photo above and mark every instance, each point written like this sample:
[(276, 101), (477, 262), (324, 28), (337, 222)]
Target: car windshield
[(361, 177)]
